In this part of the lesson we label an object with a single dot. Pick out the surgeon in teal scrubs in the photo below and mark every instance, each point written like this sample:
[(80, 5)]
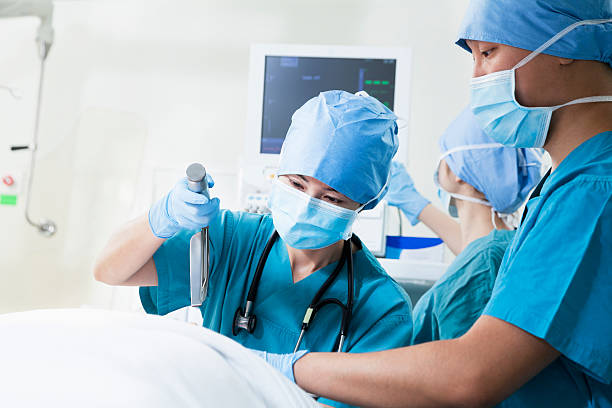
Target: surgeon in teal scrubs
[(334, 162), (542, 78), (483, 184)]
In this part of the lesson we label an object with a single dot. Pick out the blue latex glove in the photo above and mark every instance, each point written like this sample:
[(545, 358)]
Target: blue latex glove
[(282, 362), (182, 209), (403, 195)]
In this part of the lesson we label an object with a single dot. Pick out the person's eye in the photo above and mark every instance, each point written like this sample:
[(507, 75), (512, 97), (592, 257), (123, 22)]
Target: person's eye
[(333, 200), (487, 53), (296, 184)]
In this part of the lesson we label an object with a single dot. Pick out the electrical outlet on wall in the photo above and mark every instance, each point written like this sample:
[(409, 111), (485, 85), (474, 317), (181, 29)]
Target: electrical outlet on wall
[(11, 182)]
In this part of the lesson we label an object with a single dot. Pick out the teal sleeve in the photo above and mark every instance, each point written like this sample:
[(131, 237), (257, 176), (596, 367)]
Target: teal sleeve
[(148, 299), (425, 320), (172, 264), (556, 280)]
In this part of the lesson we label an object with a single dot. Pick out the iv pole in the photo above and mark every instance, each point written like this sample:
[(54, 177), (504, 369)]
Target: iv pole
[(42, 9)]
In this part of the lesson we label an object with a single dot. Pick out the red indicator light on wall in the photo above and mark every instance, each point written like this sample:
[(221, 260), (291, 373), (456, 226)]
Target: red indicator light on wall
[(8, 181)]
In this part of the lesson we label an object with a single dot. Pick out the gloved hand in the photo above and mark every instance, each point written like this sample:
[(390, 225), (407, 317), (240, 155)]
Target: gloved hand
[(282, 362), (402, 193), (182, 209)]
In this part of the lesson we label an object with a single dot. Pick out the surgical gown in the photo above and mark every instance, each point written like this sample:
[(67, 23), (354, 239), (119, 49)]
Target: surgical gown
[(456, 301), (382, 317), (555, 281)]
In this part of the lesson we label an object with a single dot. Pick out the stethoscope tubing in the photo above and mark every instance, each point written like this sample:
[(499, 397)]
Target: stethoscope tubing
[(245, 319)]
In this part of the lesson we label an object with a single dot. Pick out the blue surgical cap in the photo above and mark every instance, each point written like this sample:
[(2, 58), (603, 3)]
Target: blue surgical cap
[(504, 175), (345, 141), (527, 24)]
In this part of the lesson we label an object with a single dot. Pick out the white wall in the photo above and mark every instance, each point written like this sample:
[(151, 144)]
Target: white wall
[(136, 86)]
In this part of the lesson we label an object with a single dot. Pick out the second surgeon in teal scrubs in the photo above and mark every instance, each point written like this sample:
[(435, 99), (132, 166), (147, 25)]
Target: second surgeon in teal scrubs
[(483, 184), (334, 162)]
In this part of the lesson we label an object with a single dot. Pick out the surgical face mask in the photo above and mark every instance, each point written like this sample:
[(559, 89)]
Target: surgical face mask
[(495, 106), (447, 202), (305, 222)]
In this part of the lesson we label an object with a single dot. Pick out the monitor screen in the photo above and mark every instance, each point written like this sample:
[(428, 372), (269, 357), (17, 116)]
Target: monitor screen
[(291, 81)]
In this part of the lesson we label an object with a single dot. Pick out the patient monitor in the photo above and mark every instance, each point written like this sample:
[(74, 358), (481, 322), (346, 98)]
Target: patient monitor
[(283, 77)]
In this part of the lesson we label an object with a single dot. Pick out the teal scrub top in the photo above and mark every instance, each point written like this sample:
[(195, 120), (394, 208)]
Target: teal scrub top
[(382, 317), (456, 301), (555, 281)]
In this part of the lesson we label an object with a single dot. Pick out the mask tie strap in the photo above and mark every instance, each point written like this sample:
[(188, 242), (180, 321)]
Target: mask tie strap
[(587, 99), (470, 199), (493, 218), (361, 207), (470, 147), (558, 36)]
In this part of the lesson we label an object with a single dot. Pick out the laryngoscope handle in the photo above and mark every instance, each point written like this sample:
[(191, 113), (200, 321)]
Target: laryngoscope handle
[(198, 183), (196, 179)]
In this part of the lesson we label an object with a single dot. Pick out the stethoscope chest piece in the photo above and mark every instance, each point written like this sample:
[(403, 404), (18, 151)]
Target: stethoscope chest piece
[(245, 319), (242, 321)]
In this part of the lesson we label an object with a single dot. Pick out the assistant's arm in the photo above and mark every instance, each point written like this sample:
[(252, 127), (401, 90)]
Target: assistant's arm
[(403, 195), (444, 226), (127, 258), (479, 369)]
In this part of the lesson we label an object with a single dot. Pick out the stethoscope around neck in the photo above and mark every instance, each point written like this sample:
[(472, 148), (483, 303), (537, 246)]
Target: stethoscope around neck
[(245, 319)]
